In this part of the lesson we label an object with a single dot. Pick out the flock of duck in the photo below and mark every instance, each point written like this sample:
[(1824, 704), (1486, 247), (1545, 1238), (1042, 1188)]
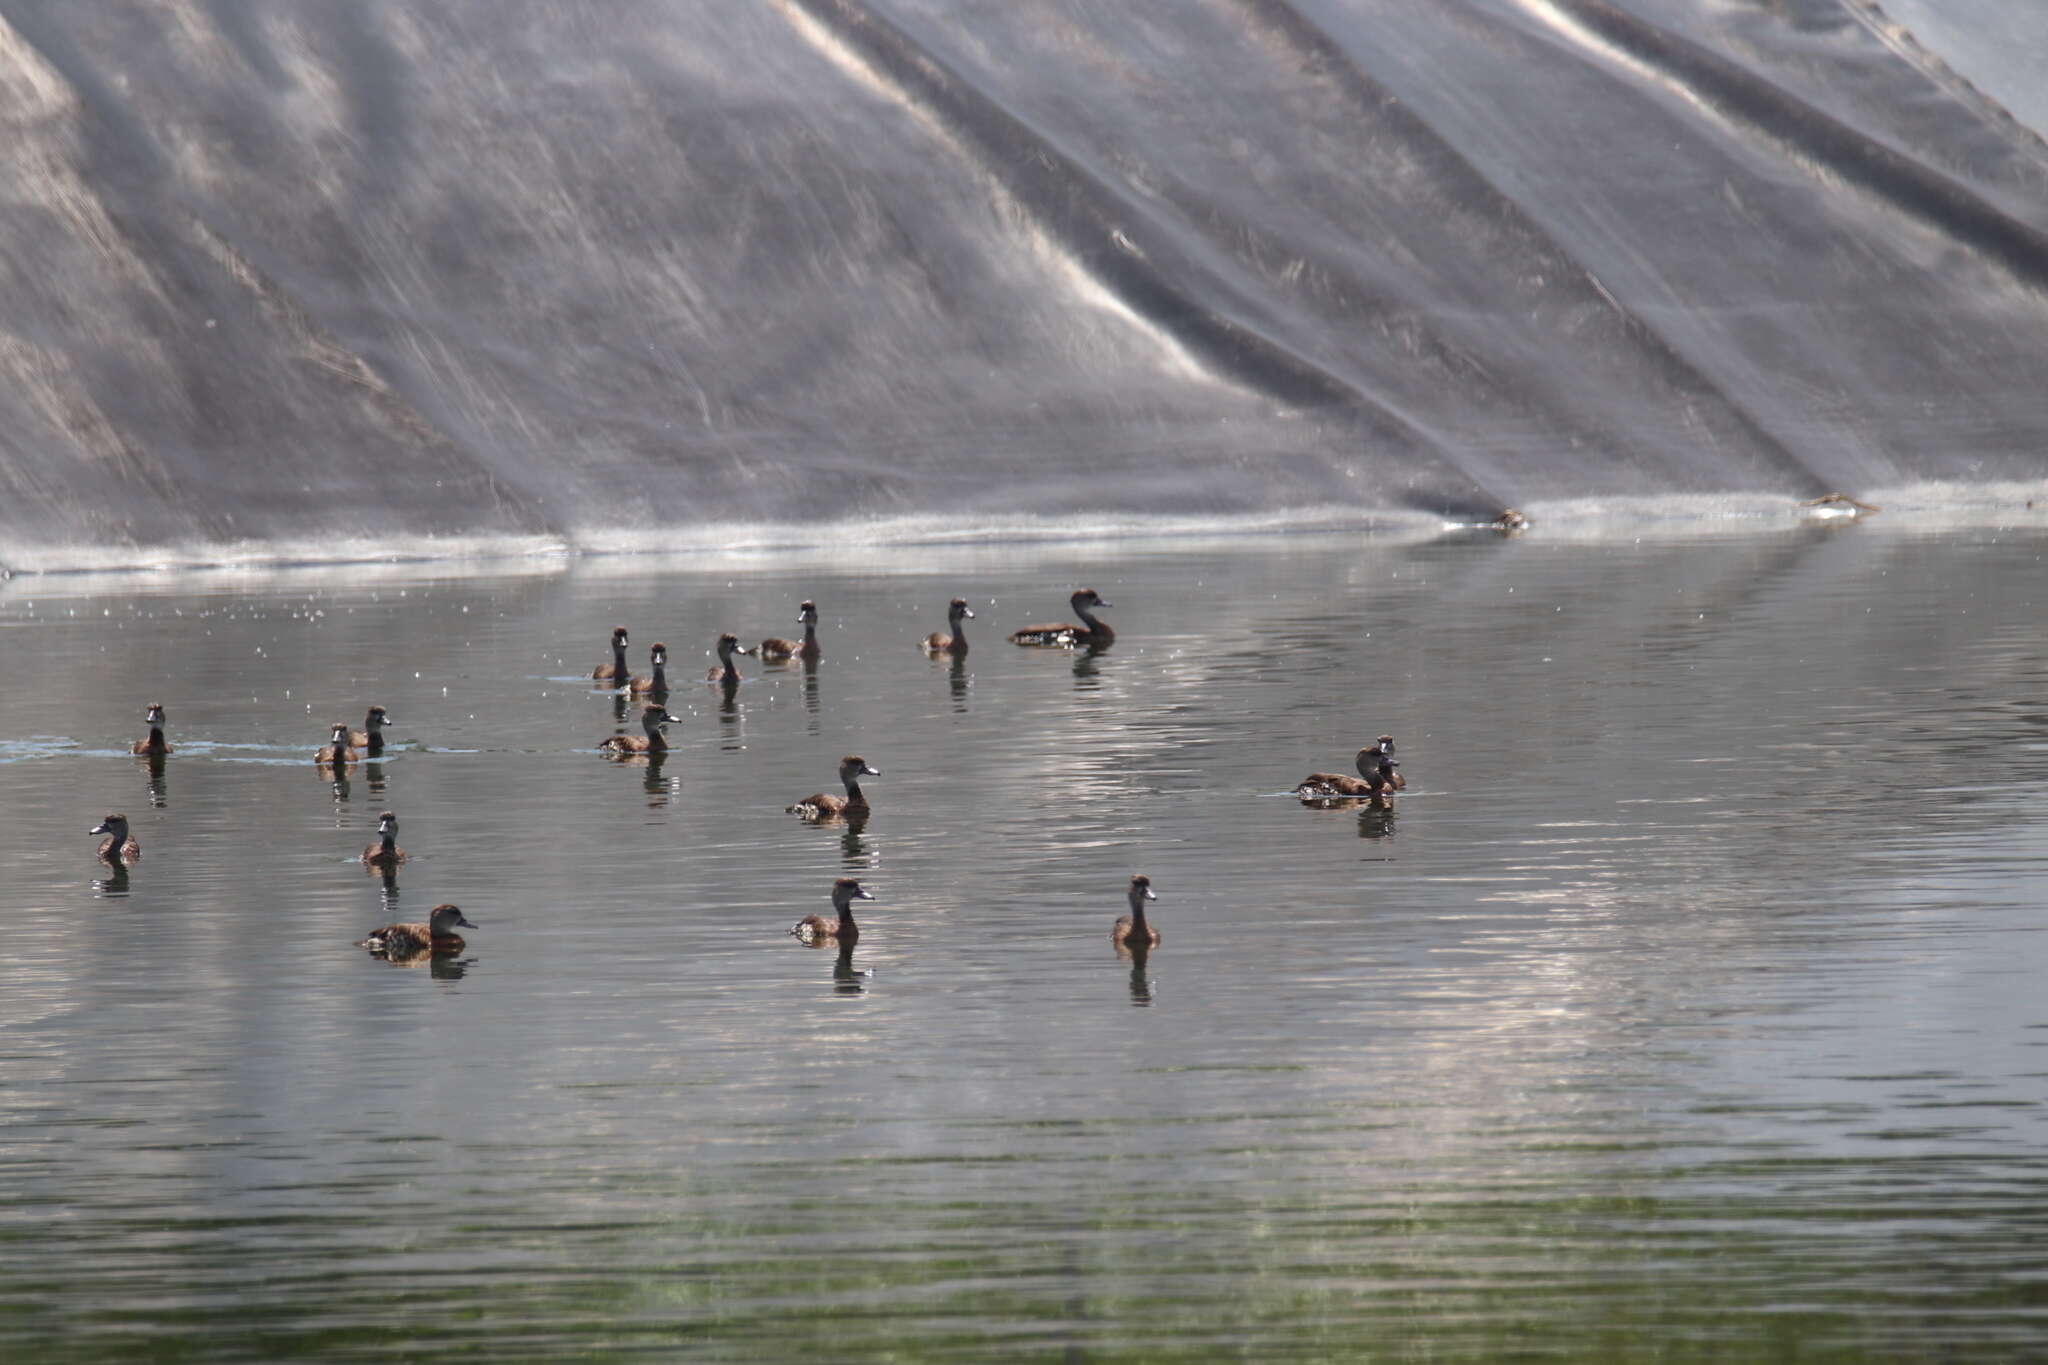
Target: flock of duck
[(1378, 777)]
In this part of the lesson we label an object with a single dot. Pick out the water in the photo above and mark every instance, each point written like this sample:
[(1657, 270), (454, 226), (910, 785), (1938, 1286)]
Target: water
[(1686, 1005)]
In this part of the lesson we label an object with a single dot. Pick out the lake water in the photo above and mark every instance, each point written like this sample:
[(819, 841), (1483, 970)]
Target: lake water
[(1688, 1003)]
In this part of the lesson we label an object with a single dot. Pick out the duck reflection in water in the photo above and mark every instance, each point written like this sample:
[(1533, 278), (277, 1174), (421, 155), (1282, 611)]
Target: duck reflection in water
[(441, 964), (1088, 667), (657, 787), (114, 885), (854, 850), (1376, 817), (1141, 984), (159, 787), (846, 978), (374, 771)]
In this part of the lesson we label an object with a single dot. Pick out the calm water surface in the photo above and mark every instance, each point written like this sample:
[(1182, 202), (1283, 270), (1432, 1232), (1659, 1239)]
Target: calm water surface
[(1688, 1004)]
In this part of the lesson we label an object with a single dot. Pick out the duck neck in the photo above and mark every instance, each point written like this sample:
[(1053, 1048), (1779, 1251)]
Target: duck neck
[(853, 791), (387, 842), (156, 738), (1096, 630), (1138, 925), (847, 928), (660, 675), (810, 635)]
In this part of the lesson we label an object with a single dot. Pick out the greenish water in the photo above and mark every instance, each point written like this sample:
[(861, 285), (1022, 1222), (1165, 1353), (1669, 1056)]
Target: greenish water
[(1687, 1006)]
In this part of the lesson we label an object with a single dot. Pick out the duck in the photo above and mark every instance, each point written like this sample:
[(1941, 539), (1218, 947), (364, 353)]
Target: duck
[(616, 671), (951, 640), (1131, 930), (840, 928), (436, 935), (155, 744), (1065, 634), (1511, 521), (825, 806), (371, 736), (723, 672), (1378, 774), (337, 752), (651, 741), (119, 846), (777, 649), (658, 658), (385, 852)]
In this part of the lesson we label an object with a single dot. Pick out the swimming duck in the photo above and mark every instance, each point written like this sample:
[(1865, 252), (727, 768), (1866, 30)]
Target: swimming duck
[(777, 649), (840, 928), (1510, 521), (1131, 930), (337, 752), (371, 736), (155, 743), (652, 741), (951, 640), (436, 935), (658, 657), (616, 671), (118, 846), (825, 806), (728, 645), (1378, 774), (385, 852), (1093, 634)]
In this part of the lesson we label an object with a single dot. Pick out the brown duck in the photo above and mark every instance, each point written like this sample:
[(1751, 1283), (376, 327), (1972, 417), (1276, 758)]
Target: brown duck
[(950, 640), (840, 928), (1131, 930), (436, 935), (385, 852), (155, 744), (119, 846), (616, 671), (1092, 634), (650, 741), (776, 649)]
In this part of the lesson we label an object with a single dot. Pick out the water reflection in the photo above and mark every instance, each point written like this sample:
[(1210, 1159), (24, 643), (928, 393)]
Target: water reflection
[(1376, 818), (1088, 666), (845, 979), (115, 884), (158, 786), (1141, 984), (811, 686), (1641, 1014), (442, 964), (658, 788), (956, 675), (853, 849), (732, 738), (374, 773)]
